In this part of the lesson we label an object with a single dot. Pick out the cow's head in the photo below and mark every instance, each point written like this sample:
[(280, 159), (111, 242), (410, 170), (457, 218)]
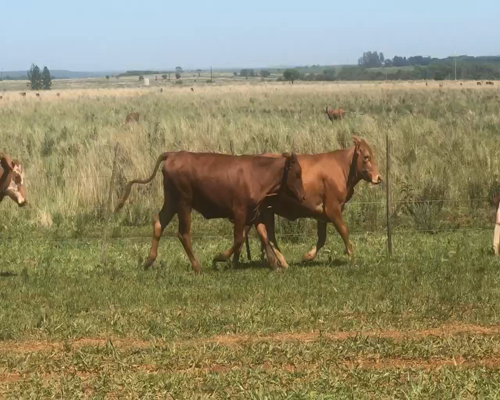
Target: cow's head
[(366, 166), (292, 177), (14, 180)]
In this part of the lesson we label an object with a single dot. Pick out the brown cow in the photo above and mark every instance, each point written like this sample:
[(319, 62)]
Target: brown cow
[(334, 114), (329, 181), (58, 94), (133, 116), (23, 94), (12, 180), (220, 186), (479, 84), (38, 95)]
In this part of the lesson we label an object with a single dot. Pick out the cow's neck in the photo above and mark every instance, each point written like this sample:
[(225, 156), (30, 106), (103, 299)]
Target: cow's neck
[(275, 174), (4, 179), (350, 171)]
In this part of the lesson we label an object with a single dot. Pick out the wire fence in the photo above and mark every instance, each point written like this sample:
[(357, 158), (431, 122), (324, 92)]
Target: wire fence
[(438, 215)]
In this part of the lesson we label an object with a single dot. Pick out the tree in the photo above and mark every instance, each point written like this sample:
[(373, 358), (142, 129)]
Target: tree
[(164, 76), (265, 73), (291, 75), (381, 57), (46, 79), (235, 73), (178, 69), (177, 75), (141, 78), (199, 72), (388, 62), (370, 59), (247, 72), (107, 77), (35, 77)]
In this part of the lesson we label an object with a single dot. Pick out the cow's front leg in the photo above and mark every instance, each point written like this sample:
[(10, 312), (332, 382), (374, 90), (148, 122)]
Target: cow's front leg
[(321, 229)]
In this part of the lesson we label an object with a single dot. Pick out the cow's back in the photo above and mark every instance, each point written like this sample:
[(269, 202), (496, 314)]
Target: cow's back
[(212, 182)]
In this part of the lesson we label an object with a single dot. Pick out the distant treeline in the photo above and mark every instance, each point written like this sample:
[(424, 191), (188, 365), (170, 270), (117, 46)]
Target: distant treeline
[(372, 67)]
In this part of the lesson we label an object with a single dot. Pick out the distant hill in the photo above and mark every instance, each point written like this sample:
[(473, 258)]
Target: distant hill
[(58, 74)]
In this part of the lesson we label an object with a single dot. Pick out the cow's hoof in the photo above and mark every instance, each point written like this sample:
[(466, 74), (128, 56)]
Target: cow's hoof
[(307, 257), (219, 258), (148, 263)]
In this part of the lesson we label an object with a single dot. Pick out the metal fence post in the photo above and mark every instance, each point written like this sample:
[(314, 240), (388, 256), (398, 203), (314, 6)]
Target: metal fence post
[(388, 194)]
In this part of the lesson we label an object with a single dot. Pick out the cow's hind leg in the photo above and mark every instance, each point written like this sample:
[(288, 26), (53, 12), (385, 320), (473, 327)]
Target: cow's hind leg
[(274, 257), (239, 239), (236, 256), (184, 235), (268, 219), (311, 255), (160, 222)]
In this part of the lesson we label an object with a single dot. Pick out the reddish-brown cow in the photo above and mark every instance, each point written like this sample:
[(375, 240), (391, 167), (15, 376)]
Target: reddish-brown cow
[(12, 180), (329, 181), (133, 116), (334, 114), (220, 186)]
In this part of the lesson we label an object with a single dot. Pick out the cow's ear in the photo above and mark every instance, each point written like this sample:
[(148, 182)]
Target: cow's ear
[(294, 158), (286, 155)]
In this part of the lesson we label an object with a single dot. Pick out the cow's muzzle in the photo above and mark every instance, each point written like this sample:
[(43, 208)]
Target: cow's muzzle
[(376, 180), (23, 204)]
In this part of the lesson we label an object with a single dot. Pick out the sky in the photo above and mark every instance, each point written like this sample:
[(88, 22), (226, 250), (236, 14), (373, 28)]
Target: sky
[(111, 35)]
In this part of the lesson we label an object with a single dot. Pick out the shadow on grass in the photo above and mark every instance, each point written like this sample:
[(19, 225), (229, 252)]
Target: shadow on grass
[(7, 274)]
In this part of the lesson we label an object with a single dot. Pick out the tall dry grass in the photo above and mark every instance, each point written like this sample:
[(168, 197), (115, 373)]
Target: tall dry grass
[(445, 145)]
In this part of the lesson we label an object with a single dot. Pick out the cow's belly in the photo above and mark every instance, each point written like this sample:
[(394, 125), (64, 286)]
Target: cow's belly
[(292, 210)]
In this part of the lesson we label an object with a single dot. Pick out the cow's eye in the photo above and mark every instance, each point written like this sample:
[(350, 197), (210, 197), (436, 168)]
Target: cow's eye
[(367, 158)]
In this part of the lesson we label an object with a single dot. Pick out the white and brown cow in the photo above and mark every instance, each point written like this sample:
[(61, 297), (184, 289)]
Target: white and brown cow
[(12, 180)]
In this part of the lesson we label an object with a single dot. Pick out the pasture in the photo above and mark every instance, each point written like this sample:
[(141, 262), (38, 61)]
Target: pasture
[(421, 324)]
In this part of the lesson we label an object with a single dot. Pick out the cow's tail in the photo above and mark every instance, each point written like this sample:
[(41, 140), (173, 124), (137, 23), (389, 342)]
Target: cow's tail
[(128, 188)]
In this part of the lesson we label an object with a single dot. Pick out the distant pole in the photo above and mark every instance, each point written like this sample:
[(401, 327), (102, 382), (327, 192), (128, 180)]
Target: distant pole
[(108, 208), (211, 74), (388, 193)]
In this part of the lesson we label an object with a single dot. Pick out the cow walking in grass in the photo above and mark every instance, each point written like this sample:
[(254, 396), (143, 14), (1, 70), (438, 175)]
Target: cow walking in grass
[(329, 182), (220, 186), (12, 180), (334, 114)]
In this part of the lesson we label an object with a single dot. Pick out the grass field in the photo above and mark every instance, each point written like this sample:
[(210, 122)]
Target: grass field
[(421, 324)]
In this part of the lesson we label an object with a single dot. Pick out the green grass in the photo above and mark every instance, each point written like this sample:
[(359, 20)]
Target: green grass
[(421, 324), (161, 323)]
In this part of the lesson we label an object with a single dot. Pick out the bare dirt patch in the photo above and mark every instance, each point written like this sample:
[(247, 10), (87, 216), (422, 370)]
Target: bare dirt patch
[(233, 340)]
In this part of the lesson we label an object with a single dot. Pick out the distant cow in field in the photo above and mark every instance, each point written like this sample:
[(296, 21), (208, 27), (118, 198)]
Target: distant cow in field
[(479, 84), (496, 235), (161, 90), (220, 186), (133, 116), (489, 83), (12, 180), (334, 114), (192, 89), (58, 94), (1, 97), (23, 94), (38, 95)]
